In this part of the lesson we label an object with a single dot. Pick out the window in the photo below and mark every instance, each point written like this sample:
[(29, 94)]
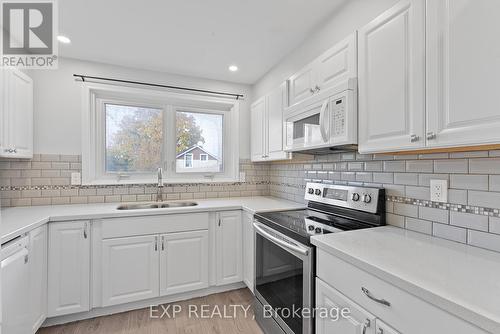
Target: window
[(200, 134), (134, 138), (130, 132), (188, 160)]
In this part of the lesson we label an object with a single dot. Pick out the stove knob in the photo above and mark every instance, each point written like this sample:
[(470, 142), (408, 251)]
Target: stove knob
[(318, 192), (318, 230), (310, 191), (310, 228), (355, 197), (367, 198)]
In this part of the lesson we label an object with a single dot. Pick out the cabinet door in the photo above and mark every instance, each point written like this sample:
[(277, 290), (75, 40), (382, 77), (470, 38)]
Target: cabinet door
[(463, 71), (69, 268), (248, 251), (382, 328), (328, 298), (130, 269), (38, 276), (338, 64), (3, 112), (392, 79), (229, 248), (258, 129), (275, 103), (301, 85), (20, 109), (183, 262)]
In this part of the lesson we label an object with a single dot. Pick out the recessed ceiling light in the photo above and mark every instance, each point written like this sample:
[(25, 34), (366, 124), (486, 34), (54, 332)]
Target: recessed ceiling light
[(63, 39), (233, 68)]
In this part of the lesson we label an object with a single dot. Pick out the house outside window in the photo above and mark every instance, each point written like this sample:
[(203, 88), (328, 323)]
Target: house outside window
[(130, 132)]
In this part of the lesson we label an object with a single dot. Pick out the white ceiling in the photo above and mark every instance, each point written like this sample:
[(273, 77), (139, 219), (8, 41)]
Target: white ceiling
[(191, 37)]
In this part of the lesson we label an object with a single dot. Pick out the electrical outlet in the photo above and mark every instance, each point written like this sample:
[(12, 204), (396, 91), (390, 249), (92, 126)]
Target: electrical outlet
[(242, 176), (439, 191), (76, 179)]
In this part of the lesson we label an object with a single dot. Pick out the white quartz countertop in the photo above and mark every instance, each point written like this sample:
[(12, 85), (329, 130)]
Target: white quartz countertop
[(16, 221), (460, 279)]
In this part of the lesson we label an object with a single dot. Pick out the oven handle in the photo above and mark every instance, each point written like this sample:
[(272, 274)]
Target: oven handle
[(269, 236), (322, 128)]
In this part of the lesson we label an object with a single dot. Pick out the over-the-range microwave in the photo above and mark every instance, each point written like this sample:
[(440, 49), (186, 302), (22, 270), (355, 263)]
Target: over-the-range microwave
[(325, 122)]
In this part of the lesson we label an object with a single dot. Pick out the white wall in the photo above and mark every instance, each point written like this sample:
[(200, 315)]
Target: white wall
[(57, 99), (348, 18)]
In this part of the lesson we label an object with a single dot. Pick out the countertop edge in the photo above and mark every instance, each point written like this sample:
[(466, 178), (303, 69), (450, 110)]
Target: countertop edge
[(480, 320)]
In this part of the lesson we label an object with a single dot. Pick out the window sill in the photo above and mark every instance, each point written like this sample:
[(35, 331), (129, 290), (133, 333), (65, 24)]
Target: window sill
[(155, 182)]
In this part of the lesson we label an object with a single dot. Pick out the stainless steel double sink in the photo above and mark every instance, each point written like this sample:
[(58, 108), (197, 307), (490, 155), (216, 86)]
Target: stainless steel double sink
[(155, 205)]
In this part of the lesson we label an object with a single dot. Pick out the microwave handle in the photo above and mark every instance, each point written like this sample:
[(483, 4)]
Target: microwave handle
[(322, 124)]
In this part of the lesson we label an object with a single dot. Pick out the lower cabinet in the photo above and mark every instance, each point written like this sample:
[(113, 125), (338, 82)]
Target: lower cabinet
[(68, 268), (183, 262), (229, 248), (38, 276), (248, 250), (130, 270), (357, 321)]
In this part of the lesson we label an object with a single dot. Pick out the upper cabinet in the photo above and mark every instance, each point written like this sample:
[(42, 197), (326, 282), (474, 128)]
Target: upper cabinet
[(16, 114), (266, 133), (337, 64), (428, 76), (463, 72), (392, 79)]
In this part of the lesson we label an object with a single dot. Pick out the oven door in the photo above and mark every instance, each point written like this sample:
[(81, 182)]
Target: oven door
[(284, 279), (309, 128)]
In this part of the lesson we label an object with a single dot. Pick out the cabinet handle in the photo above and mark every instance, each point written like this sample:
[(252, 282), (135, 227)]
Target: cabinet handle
[(26, 259), (366, 325), (369, 295), (219, 221), (414, 138), (317, 88), (380, 331), (85, 231), (162, 243), (156, 244), (312, 91), (431, 135)]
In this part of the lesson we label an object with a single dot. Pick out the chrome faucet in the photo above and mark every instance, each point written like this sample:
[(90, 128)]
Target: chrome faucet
[(159, 191)]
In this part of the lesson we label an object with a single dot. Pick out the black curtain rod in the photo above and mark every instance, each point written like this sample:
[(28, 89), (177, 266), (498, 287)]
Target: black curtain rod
[(83, 77)]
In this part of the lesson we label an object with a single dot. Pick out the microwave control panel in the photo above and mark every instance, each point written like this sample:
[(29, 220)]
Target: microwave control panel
[(339, 121)]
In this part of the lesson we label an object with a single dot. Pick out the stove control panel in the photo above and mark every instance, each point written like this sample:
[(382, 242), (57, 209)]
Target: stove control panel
[(358, 198), (315, 228)]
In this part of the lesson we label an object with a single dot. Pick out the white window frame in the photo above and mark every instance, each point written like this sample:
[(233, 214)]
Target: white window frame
[(96, 95), (186, 160), (203, 155)]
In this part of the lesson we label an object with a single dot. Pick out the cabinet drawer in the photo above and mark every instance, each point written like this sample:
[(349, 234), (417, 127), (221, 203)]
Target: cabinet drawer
[(405, 312), (146, 225)]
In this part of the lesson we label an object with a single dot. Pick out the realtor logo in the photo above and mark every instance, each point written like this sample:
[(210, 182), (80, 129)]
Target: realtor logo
[(29, 34)]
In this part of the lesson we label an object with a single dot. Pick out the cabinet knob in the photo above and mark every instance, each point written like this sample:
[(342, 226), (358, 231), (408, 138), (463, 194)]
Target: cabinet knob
[(414, 138), (312, 90), (317, 88), (431, 135), (380, 331)]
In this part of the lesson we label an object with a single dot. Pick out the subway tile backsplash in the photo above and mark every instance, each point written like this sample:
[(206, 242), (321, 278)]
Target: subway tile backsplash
[(472, 214), (46, 179)]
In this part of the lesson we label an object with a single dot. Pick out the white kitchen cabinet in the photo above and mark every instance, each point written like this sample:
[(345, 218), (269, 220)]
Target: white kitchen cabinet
[(337, 64), (258, 129), (229, 261), (463, 72), (183, 262), (38, 276), (357, 321), (16, 130), (130, 269), (68, 268), (382, 328), (248, 250), (392, 80), (266, 129)]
